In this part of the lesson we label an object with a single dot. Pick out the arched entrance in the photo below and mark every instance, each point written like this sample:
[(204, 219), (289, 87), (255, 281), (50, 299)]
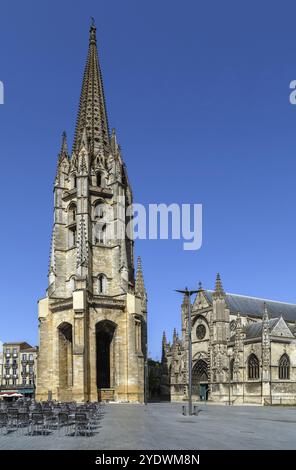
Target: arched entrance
[(200, 379), (105, 355), (65, 355)]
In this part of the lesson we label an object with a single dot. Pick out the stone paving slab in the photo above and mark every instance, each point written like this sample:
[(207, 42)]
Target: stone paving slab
[(162, 426)]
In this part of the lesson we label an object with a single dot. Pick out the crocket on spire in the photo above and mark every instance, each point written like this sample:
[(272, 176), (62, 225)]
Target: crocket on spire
[(92, 114), (219, 291), (64, 146), (139, 283)]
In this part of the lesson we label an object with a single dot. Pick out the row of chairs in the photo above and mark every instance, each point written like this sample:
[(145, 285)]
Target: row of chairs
[(44, 418)]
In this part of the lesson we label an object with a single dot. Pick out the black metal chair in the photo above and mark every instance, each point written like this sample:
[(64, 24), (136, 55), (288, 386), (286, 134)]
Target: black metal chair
[(82, 424), (24, 422), (63, 423), (12, 424), (3, 422), (37, 423), (50, 420)]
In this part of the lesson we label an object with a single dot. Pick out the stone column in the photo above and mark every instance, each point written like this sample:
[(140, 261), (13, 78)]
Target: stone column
[(79, 390)]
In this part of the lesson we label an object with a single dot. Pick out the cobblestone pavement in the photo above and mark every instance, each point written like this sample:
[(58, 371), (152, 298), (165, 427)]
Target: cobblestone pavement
[(162, 426)]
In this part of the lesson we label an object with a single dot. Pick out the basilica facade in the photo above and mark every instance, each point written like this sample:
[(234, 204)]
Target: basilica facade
[(243, 350), (92, 322)]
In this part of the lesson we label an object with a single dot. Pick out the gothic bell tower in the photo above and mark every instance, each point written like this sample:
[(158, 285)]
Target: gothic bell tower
[(92, 322)]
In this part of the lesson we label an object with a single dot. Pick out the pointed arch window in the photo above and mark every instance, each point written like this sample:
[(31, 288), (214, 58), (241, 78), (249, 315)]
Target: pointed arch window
[(100, 210), (231, 366), (73, 181), (72, 213), (72, 284), (253, 367), (101, 233), (99, 179), (102, 284), (72, 237), (284, 367)]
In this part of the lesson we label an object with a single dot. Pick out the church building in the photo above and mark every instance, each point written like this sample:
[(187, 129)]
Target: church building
[(243, 350), (92, 322)]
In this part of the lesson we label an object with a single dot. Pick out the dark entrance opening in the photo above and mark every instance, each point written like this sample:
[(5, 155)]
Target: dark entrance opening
[(200, 379), (104, 341)]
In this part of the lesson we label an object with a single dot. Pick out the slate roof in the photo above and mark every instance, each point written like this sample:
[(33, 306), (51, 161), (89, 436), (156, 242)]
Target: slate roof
[(255, 329), (253, 306), (21, 344)]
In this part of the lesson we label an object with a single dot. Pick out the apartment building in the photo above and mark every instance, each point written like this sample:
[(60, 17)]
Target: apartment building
[(18, 369)]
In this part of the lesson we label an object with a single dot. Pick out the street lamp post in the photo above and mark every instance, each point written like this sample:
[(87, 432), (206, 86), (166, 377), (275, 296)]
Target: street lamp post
[(229, 376), (188, 294), (146, 378)]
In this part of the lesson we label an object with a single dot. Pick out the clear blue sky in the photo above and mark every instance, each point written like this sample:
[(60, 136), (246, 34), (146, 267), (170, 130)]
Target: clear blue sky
[(199, 94)]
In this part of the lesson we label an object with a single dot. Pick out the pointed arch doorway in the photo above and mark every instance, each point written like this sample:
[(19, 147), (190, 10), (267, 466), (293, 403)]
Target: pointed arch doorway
[(105, 359), (200, 379)]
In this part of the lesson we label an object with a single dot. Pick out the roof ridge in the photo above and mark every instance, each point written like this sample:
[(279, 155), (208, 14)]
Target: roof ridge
[(256, 298)]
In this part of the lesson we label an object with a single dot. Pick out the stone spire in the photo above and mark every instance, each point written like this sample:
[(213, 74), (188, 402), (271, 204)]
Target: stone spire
[(175, 336), (164, 340), (219, 291), (92, 114), (63, 163), (139, 284), (64, 146)]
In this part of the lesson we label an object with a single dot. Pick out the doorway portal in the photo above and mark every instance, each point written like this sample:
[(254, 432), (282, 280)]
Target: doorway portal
[(65, 343), (105, 354), (200, 379)]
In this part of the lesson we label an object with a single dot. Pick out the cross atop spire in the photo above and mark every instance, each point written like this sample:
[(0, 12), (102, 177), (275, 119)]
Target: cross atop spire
[(92, 114)]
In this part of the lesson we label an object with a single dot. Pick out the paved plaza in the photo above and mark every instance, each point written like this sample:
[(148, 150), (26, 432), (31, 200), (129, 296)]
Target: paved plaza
[(162, 426)]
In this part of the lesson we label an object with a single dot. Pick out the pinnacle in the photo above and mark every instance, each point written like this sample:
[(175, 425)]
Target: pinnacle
[(64, 146), (265, 312), (139, 263), (139, 283), (218, 287)]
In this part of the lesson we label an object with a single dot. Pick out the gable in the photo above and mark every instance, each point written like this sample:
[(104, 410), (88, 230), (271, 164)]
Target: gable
[(201, 301), (281, 329)]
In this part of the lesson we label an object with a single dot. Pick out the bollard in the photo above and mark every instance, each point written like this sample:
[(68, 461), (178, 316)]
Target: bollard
[(195, 410), (184, 410)]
